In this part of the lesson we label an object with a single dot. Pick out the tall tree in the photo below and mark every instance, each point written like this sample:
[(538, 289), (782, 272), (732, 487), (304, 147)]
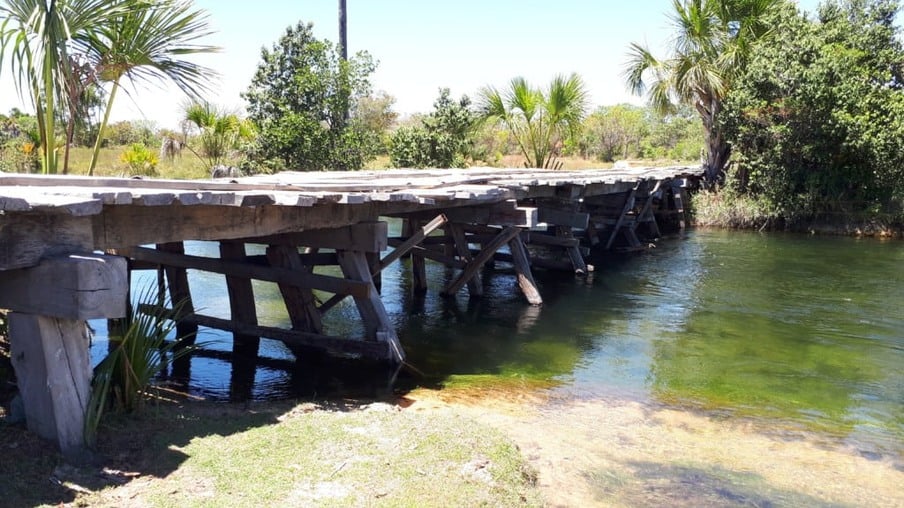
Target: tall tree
[(710, 47), (540, 120), (148, 42), (297, 102), (38, 36)]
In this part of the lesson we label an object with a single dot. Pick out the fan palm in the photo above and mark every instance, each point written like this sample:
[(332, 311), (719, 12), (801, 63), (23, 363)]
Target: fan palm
[(146, 43), (538, 120), (220, 132), (709, 49), (37, 36)]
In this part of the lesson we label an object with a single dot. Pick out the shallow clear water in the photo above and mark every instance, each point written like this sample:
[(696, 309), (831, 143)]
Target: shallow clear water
[(802, 332)]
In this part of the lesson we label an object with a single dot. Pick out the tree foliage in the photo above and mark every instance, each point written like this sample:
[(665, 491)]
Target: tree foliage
[(441, 140), (817, 119), (298, 99), (38, 36), (218, 132), (710, 48), (541, 120)]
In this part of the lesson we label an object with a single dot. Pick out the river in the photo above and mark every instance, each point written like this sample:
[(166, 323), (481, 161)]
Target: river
[(793, 332)]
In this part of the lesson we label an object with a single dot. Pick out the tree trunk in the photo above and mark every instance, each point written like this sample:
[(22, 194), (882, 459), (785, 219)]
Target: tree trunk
[(718, 150)]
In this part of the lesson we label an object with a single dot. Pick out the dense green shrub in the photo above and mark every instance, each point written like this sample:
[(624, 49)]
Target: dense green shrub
[(140, 160), (817, 120), (300, 100), (443, 139)]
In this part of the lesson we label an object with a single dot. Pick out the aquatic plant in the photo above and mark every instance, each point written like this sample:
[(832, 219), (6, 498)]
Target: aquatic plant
[(122, 379)]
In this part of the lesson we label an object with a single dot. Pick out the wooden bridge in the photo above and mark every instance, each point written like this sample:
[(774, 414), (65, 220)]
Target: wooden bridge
[(67, 245)]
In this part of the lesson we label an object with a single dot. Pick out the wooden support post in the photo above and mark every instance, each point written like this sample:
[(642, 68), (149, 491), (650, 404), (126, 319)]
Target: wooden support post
[(373, 261), (241, 301), (50, 356), (418, 264), (49, 341), (521, 262), (377, 324), (574, 252), (300, 302), (475, 285), (629, 204), (646, 213), (177, 281), (478, 261)]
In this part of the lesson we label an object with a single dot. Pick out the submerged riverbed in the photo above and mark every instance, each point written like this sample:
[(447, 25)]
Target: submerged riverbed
[(792, 333)]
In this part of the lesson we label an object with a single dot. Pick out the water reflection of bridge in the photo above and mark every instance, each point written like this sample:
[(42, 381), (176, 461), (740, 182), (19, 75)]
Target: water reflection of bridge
[(67, 245)]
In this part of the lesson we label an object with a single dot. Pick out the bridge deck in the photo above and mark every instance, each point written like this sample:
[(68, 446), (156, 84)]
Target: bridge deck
[(52, 227)]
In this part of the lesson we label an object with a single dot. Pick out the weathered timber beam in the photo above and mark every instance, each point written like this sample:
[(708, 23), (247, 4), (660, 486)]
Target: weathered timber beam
[(50, 356), (506, 213), (364, 236), (433, 254), (480, 259), (419, 236), (368, 348), (377, 324), (127, 225), (475, 285), (25, 239), (70, 287), (240, 269), (629, 204), (241, 300), (521, 262), (308, 259), (401, 248), (300, 302), (563, 217)]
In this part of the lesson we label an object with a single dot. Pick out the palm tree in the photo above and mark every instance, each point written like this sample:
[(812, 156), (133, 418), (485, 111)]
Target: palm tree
[(148, 42), (538, 120), (38, 36), (219, 132), (710, 46)]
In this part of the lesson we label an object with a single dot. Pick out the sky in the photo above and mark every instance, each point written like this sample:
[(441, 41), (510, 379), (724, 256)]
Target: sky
[(421, 46)]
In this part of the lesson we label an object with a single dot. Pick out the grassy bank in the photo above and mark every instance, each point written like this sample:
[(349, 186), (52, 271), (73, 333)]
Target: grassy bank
[(276, 454), (728, 209)]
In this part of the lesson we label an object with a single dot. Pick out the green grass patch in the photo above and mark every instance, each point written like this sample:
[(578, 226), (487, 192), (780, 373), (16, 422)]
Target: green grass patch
[(277, 454)]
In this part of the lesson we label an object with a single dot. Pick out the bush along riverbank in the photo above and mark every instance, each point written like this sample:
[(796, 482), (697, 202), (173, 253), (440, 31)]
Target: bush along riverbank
[(727, 208)]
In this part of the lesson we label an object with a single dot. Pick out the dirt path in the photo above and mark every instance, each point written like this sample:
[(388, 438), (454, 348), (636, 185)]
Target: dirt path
[(624, 453)]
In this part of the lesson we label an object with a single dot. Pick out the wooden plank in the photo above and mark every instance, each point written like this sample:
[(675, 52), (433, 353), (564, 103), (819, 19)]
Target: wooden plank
[(521, 262), (50, 356), (76, 287), (300, 302), (25, 239), (364, 236), (377, 324), (478, 261), (339, 345), (247, 270), (241, 301), (126, 226), (563, 217)]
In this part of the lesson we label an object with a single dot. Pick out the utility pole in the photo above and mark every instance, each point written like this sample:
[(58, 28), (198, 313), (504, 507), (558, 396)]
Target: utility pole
[(343, 30)]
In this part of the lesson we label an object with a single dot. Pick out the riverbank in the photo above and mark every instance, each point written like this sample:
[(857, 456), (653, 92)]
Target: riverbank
[(505, 449), (727, 210)]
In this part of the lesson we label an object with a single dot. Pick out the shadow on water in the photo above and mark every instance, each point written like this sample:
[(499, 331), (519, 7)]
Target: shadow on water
[(799, 330)]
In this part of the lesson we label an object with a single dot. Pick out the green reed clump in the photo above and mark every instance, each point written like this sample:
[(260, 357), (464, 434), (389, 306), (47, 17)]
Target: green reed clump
[(122, 379)]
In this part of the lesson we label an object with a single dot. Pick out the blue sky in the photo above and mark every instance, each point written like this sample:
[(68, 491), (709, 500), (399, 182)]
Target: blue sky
[(422, 46)]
